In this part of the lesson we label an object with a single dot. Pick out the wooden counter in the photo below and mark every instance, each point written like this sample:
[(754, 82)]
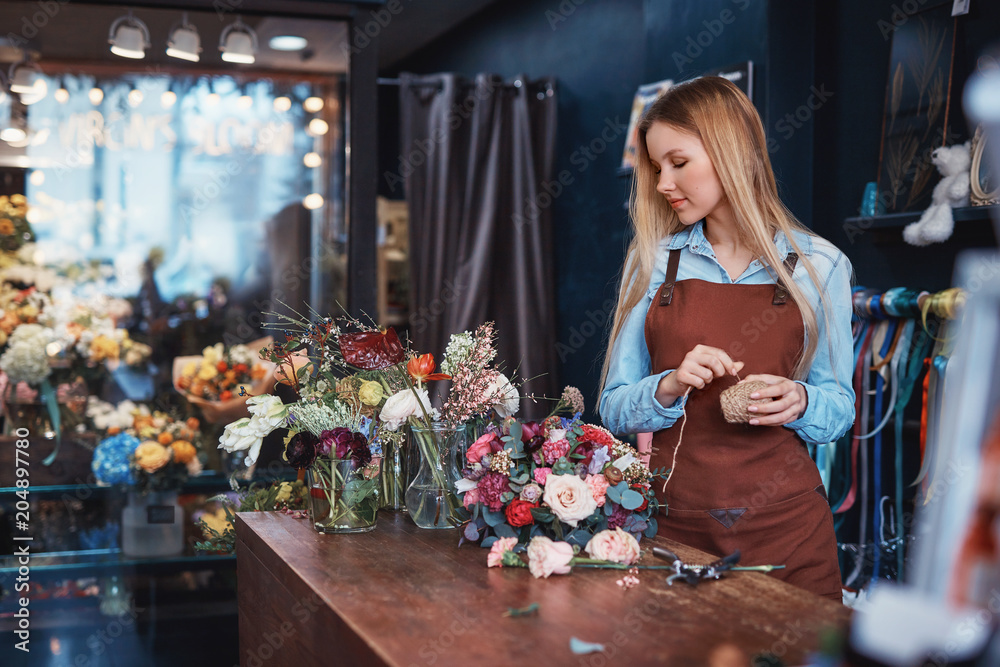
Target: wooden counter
[(409, 597)]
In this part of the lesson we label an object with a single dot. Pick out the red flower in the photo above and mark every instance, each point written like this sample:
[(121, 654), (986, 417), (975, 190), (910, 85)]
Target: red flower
[(641, 490), (421, 369), (221, 367), (519, 513), (598, 435), (371, 350)]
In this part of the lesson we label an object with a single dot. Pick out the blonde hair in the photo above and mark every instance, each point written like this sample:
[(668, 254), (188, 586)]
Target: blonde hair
[(717, 112)]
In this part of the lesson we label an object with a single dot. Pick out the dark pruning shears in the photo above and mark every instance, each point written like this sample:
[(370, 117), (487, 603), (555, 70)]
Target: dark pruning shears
[(694, 574)]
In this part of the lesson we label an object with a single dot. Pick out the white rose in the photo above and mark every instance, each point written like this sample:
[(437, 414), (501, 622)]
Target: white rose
[(403, 404), (569, 498), (506, 398)]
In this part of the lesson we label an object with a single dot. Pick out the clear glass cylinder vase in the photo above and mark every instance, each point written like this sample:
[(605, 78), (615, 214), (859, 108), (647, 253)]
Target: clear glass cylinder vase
[(152, 525), (343, 498), (431, 500), (395, 474)]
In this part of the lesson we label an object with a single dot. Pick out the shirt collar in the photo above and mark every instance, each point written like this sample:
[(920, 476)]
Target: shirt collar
[(694, 236)]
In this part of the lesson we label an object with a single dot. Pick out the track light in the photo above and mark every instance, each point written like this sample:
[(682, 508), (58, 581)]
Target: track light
[(24, 77), (129, 37), (184, 41), (238, 43)]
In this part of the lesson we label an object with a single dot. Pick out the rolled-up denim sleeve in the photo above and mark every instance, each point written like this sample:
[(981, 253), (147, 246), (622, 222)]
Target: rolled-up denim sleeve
[(830, 411), (628, 402)]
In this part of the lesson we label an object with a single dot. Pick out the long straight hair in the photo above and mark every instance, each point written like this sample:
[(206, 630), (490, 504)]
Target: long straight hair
[(717, 112)]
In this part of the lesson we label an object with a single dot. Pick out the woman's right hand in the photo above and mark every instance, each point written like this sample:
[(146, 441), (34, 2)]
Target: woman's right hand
[(699, 367)]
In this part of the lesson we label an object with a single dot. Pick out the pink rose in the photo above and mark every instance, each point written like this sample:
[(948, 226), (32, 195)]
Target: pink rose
[(488, 443), (599, 487), (553, 450), (615, 545), (546, 557), (471, 497), (501, 546), (542, 474), (569, 498)]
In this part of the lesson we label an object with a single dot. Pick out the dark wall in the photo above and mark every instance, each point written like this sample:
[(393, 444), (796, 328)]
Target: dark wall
[(820, 73), (853, 41)]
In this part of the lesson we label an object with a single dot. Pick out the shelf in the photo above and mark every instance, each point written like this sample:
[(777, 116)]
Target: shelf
[(97, 562), (211, 482), (899, 220)]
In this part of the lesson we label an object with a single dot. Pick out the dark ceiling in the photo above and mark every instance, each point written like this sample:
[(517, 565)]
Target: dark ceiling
[(79, 32)]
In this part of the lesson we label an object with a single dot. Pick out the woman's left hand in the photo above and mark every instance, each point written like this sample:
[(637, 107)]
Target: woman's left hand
[(789, 404)]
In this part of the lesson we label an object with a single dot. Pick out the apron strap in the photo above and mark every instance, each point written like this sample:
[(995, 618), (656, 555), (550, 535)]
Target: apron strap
[(667, 291), (780, 291)]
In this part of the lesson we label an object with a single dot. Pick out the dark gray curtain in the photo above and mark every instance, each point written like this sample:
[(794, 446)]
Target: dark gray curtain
[(475, 157)]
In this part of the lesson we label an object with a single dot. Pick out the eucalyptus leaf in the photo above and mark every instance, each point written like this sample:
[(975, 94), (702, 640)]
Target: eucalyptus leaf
[(650, 531), (506, 497), (515, 431), (488, 541), (471, 532), (542, 515), (493, 518), (631, 500), (614, 495), (579, 538), (504, 530)]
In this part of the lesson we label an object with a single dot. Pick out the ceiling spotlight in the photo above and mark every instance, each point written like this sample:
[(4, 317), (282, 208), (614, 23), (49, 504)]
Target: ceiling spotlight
[(318, 127), (313, 104), (212, 99), (62, 96), (312, 160), (287, 43), (38, 92), (135, 98), (168, 98), (37, 177), (129, 37), (13, 135), (238, 43), (282, 104), (95, 95), (313, 201), (24, 77), (245, 102), (184, 42)]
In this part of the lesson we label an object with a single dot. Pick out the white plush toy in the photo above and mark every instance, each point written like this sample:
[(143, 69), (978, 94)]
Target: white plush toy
[(937, 223)]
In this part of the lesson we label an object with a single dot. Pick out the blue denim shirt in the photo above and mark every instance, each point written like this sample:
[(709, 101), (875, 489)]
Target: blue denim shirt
[(628, 404)]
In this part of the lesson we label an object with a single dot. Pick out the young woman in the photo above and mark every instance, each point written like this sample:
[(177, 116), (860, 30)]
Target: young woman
[(722, 284)]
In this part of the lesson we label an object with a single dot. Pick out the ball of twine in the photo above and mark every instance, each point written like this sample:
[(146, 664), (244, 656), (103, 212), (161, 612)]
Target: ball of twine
[(736, 400)]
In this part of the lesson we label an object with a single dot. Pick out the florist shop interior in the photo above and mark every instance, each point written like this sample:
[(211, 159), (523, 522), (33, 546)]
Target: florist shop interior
[(322, 342)]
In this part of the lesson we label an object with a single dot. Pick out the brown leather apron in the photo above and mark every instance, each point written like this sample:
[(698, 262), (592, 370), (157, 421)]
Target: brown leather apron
[(736, 486)]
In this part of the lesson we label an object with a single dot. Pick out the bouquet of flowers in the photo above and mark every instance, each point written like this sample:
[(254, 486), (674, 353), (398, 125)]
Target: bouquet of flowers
[(560, 479), (217, 525), (146, 449), (218, 373), (330, 436), (17, 307), (15, 231)]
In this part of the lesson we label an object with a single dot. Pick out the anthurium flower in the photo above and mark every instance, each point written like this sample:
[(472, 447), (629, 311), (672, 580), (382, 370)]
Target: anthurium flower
[(421, 369), (371, 350)]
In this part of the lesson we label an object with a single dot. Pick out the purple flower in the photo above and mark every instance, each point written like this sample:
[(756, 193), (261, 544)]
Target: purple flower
[(302, 450), (600, 458), (346, 444), (618, 517), (491, 487)]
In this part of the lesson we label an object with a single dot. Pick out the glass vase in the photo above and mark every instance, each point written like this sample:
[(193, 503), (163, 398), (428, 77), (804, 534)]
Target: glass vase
[(431, 499), (342, 498), (395, 474), (152, 525)]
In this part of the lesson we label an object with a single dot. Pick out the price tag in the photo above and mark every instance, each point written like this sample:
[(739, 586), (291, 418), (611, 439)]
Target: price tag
[(160, 514), (960, 7)]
